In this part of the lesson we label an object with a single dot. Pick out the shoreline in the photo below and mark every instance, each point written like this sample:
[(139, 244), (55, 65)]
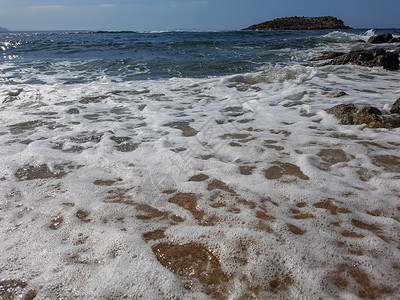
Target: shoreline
[(237, 185)]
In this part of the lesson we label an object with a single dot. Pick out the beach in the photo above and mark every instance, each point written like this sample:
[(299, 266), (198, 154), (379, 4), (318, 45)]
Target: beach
[(194, 165)]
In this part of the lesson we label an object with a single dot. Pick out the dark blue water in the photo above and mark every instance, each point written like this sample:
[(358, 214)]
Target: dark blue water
[(133, 55)]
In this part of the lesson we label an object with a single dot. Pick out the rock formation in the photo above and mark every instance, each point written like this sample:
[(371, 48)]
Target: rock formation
[(300, 23), (395, 107), (372, 117), (383, 38), (364, 57)]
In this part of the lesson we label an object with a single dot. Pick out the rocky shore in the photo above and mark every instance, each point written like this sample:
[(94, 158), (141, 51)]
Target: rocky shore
[(367, 57), (300, 23), (371, 117)]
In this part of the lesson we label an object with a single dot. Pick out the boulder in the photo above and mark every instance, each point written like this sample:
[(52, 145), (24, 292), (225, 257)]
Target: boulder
[(392, 121), (365, 57), (395, 107), (380, 39), (383, 38), (389, 61), (344, 112), (372, 117)]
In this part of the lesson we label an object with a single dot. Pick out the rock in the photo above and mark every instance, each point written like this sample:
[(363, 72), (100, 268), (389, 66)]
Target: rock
[(300, 23), (366, 57), (395, 107), (371, 116), (327, 55), (380, 39), (357, 56), (383, 38), (389, 61), (15, 92), (377, 52), (344, 112), (392, 121), (72, 111), (336, 94)]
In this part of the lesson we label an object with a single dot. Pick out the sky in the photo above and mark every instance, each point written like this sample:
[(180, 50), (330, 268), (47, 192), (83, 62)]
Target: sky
[(149, 15)]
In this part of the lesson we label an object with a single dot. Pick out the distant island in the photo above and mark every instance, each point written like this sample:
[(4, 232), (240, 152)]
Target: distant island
[(300, 23), (2, 29)]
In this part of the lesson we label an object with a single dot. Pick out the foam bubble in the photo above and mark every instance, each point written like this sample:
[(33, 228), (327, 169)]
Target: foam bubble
[(114, 185)]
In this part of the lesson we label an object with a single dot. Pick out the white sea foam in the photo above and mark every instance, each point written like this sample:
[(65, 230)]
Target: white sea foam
[(292, 204)]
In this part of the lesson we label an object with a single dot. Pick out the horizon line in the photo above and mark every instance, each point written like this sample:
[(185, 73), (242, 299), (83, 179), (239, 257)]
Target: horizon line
[(172, 30)]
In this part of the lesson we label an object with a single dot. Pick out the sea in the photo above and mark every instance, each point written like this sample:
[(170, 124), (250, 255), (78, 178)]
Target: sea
[(195, 165)]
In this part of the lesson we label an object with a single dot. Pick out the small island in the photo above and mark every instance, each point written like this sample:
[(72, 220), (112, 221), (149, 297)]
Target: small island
[(300, 23), (2, 29)]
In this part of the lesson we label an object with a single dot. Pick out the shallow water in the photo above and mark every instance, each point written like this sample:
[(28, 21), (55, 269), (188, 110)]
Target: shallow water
[(228, 185)]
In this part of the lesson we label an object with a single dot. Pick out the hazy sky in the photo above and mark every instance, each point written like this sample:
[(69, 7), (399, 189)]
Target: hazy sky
[(187, 14)]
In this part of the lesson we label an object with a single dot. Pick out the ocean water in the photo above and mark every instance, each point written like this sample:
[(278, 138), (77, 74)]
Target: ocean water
[(194, 165)]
